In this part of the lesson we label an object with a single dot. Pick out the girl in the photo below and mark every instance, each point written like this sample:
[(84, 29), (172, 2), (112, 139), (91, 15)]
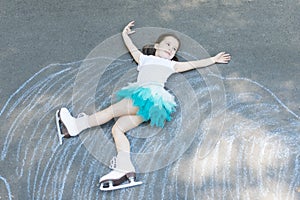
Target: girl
[(144, 100)]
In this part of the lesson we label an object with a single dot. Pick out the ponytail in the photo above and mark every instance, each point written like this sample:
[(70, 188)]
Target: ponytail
[(149, 49)]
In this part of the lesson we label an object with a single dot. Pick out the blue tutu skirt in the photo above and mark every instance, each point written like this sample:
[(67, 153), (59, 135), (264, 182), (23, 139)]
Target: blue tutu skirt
[(154, 102)]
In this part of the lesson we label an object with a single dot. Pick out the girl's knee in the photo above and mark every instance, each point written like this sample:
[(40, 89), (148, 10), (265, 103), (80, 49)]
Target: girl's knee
[(126, 123), (116, 129)]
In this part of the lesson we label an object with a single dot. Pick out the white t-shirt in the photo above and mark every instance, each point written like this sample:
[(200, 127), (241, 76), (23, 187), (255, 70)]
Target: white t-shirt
[(155, 70)]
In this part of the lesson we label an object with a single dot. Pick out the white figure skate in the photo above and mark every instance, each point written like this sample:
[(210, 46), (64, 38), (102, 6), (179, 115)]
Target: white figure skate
[(122, 176), (65, 123), (116, 180)]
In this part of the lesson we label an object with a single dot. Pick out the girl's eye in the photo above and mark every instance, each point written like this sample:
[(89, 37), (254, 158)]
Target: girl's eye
[(174, 49), (168, 44)]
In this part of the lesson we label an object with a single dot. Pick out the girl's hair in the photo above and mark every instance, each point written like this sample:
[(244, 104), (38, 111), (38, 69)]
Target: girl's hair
[(150, 50)]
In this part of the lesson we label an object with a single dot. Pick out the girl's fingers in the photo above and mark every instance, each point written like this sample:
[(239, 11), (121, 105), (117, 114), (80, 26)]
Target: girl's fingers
[(128, 27), (131, 24), (223, 57)]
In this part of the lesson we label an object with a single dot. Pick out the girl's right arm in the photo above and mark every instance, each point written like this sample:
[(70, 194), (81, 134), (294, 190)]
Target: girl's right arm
[(134, 51)]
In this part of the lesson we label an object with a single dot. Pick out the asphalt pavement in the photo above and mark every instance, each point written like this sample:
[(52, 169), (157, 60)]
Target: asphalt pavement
[(253, 155)]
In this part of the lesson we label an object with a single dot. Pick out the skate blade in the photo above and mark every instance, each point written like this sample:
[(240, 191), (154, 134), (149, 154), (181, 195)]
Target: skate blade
[(60, 135), (110, 187)]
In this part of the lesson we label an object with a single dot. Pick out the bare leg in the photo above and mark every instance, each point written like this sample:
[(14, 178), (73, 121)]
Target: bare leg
[(124, 124), (123, 168), (74, 126), (121, 108)]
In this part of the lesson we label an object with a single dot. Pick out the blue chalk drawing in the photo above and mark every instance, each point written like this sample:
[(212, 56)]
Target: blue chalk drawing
[(8, 195)]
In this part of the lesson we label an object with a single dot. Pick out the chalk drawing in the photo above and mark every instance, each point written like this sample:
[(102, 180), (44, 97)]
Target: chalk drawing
[(256, 156), (7, 194)]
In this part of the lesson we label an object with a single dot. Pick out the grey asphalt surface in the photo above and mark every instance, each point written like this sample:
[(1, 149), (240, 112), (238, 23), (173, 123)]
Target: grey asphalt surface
[(263, 38)]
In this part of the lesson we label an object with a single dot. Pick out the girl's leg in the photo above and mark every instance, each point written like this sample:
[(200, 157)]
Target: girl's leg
[(123, 107), (124, 124), (75, 125), (121, 164)]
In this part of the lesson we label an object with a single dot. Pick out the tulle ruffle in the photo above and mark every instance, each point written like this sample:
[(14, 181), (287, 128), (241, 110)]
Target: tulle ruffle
[(154, 102)]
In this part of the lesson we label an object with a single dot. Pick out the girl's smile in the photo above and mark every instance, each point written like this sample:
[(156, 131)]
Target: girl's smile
[(167, 48)]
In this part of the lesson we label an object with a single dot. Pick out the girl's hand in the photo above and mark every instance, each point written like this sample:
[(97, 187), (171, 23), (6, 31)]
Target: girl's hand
[(127, 30), (222, 58)]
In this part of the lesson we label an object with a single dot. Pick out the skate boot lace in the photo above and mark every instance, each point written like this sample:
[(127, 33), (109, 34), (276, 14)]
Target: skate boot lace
[(113, 163), (81, 115)]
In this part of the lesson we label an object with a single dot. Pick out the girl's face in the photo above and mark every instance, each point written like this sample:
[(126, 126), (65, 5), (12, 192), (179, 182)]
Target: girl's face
[(167, 48)]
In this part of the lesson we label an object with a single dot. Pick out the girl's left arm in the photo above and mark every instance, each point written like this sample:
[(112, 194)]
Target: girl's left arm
[(222, 57)]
